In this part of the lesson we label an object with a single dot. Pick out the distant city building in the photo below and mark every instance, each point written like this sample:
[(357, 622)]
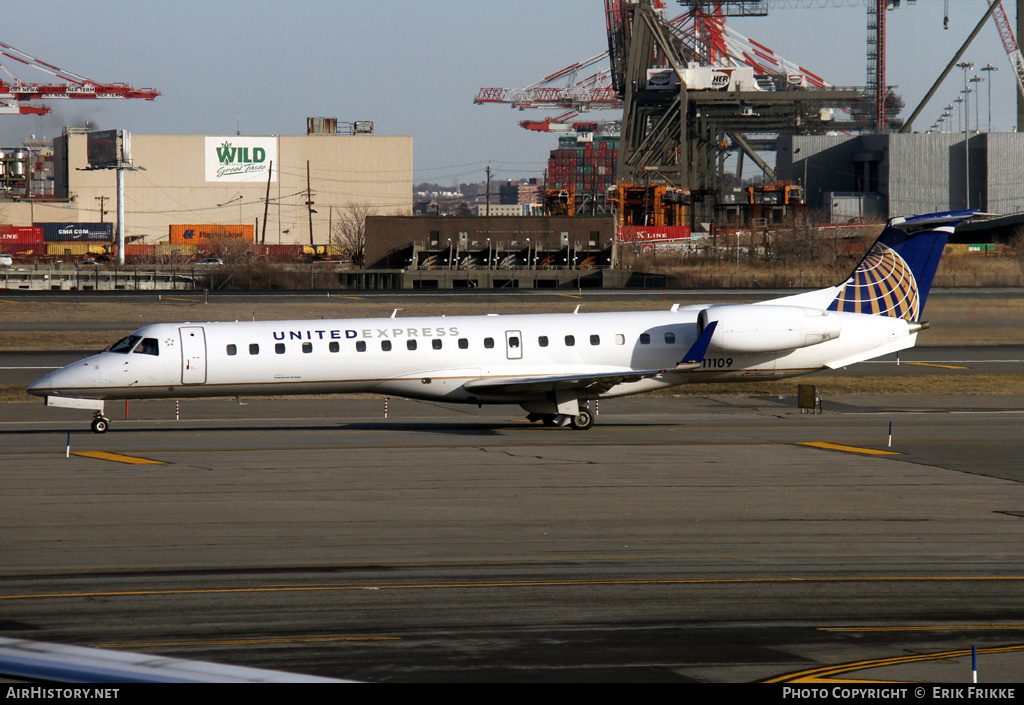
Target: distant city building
[(531, 192)]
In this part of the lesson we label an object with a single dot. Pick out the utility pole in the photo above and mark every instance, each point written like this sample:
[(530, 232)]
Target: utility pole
[(309, 204), (266, 204), (102, 200), (487, 209)]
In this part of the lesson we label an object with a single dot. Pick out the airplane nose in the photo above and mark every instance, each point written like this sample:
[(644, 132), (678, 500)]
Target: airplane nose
[(46, 385), (37, 388), (62, 380)]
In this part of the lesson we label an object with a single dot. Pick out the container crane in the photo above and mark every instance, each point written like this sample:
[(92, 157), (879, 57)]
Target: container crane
[(1009, 44), (14, 93)]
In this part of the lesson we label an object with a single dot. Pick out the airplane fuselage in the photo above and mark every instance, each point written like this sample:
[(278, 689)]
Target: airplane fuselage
[(434, 357), (549, 364)]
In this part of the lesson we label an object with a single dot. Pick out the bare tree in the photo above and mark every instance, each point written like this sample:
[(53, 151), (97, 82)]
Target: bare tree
[(1017, 242), (349, 231), (233, 249)]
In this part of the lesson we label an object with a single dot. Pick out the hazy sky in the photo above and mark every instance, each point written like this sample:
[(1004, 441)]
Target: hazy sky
[(413, 68)]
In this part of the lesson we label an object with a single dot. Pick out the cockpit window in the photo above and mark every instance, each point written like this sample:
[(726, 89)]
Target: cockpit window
[(125, 345), (148, 346)]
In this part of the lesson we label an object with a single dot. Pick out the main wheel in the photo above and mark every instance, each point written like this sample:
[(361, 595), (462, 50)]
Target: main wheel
[(100, 425), (582, 420)]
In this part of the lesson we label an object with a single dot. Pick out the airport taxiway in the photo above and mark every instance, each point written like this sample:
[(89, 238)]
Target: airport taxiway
[(691, 539)]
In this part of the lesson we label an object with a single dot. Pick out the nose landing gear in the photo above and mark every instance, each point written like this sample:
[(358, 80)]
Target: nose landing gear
[(100, 423)]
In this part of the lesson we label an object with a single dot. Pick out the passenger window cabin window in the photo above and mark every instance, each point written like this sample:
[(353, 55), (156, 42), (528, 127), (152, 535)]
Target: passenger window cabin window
[(542, 341), (645, 338), (570, 341), (361, 346), (436, 343), (670, 338), (488, 343), (307, 347), (254, 349), (463, 343), (148, 346), (279, 348), (620, 339), (513, 341), (411, 344), (385, 345), (232, 350), (595, 340), (334, 346)]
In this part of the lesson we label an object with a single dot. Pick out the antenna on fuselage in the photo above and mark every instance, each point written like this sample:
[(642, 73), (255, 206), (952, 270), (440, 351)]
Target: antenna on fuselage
[(394, 314)]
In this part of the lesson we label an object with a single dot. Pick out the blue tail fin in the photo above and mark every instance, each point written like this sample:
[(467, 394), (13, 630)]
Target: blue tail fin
[(895, 276)]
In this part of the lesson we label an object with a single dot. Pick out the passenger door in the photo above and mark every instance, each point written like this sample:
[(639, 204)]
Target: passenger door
[(193, 355)]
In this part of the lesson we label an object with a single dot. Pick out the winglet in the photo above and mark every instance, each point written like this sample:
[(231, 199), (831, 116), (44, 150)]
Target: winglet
[(694, 357)]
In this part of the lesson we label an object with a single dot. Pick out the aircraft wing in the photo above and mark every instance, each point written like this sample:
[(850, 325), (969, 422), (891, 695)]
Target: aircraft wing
[(589, 384), (38, 661), (592, 384)]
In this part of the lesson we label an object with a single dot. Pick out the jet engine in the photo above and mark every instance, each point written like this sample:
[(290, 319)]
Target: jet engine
[(748, 328)]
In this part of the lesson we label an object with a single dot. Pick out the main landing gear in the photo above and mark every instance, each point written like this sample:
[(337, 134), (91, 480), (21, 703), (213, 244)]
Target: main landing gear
[(582, 420)]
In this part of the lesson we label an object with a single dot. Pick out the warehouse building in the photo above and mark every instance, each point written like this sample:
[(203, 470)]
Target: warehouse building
[(312, 181), (874, 177)]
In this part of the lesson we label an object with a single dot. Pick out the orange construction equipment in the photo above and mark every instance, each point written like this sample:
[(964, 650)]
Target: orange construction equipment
[(654, 205)]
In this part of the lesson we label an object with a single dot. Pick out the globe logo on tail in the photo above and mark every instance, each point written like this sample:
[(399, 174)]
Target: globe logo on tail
[(883, 285)]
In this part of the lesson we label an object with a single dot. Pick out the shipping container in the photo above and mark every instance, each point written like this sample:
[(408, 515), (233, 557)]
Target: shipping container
[(23, 249), (24, 235), (139, 250), (74, 249), (281, 253), (77, 232), (204, 234), (983, 248), (166, 249)]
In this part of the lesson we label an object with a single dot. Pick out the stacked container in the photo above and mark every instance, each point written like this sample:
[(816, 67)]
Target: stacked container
[(77, 238), (25, 240), (585, 167)]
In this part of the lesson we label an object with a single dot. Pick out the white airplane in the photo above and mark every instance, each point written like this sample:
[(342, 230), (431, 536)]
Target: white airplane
[(552, 365)]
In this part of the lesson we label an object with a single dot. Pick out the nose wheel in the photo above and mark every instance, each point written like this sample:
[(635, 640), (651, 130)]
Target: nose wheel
[(100, 424)]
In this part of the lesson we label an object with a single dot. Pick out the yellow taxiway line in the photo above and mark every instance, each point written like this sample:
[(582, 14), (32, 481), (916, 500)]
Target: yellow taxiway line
[(932, 364), (824, 674), (847, 449), (116, 457)]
